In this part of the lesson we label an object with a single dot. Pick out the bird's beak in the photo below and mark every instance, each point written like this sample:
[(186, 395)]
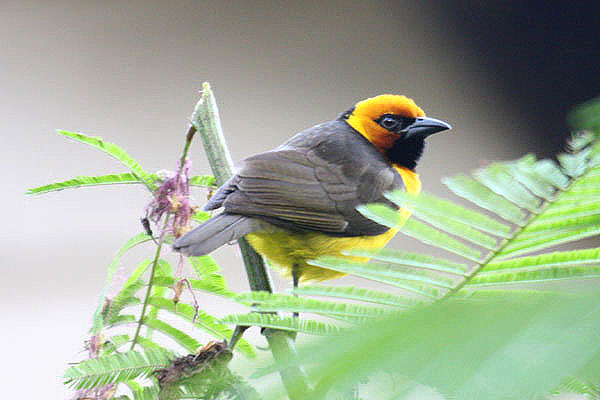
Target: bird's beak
[(425, 126)]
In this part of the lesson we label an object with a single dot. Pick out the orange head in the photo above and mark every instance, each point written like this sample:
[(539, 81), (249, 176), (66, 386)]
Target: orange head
[(395, 125)]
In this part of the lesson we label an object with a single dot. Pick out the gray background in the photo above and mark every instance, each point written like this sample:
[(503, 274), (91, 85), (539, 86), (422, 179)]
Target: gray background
[(130, 72)]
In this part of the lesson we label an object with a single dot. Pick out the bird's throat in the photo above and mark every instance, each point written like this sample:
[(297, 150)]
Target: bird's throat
[(406, 152)]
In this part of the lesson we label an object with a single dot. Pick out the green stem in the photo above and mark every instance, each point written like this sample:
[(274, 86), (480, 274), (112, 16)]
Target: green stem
[(207, 123), (150, 283)]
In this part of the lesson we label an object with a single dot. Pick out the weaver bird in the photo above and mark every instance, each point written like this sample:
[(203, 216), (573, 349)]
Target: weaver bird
[(298, 202)]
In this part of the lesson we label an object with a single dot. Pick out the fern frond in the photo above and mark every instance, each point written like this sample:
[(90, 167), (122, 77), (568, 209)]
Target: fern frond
[(272, 302), (116, 152), (203, 320), (126, 296), (211, 284), (471, 190), (411, 260), (533, 243), (186, 341), (146, 392), (498, 179), (204, 265), (201, 216), (112, 268), (115, 368), (88, 181), (122, 319), (523, 172), (543, 205), (455, 212), (574, 385), (163, 270), (207, 181), (471, 350), (355, 293), (385, 215), (113, 343), (529, 276), (556, 259), (417, 282), (301, 325)]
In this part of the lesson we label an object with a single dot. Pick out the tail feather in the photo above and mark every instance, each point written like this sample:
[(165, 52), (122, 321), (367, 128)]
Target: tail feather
[(214, 233)]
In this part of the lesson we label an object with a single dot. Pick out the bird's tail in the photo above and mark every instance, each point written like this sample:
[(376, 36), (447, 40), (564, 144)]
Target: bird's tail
[(214, 233)]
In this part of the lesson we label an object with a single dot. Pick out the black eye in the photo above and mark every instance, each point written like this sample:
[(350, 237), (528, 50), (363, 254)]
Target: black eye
[(389, 123)]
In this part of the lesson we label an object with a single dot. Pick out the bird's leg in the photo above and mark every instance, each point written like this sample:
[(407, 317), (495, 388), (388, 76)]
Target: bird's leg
[(295, 280)]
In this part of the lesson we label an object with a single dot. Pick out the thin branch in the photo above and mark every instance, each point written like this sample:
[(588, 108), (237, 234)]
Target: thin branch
[(206, 121), (150, 283)]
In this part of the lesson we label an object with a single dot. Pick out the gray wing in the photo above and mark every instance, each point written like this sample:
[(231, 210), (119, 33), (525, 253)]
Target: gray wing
[(313, 182)]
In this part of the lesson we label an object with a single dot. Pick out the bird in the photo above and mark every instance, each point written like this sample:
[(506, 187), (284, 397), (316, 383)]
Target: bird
[(298, 202)]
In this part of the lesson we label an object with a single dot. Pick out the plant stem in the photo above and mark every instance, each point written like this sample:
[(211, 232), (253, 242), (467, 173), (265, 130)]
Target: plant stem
[(140, 322), (188, 141), (207, 123)]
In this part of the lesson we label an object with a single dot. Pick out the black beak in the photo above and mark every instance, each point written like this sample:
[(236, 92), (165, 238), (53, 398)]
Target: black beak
[(425, 126)]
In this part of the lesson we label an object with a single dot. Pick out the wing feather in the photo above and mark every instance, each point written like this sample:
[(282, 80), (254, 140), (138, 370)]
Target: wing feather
[(313, 182)]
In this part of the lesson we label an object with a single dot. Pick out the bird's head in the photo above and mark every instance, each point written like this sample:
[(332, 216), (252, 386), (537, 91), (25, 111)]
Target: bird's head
[(395, 125)]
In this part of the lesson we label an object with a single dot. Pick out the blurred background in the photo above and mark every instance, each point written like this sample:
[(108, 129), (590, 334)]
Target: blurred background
[(504, 74)]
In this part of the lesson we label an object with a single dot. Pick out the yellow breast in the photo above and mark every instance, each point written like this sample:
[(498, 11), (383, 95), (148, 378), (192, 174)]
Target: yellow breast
[(284, 248)]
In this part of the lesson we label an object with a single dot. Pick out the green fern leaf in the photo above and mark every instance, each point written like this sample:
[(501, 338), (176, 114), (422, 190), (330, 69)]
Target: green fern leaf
[(558, 212), (499, 180), (126, 296), (384, 215), (439, 216), (575, 165), (574, 385), (207, 181), (557, 259), (479, 194), (272, 302), (122, 319), (190, 344), (113, 343), (204, 321), (140, 392), (540, 242), (112, 268), (356, 294), (548, 171), (532, 275), (411, 260), (542, 225), (148, 344), (86, 181), (114, 368), (111, 317), (455, 212), (310, 327), (523, 172), (569, 211), (212, 283), (114, 151), (201, 216), (410, 280), (204, 265), (163, 270)]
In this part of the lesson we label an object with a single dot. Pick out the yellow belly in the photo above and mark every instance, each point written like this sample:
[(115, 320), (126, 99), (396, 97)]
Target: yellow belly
[(284, 248)]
